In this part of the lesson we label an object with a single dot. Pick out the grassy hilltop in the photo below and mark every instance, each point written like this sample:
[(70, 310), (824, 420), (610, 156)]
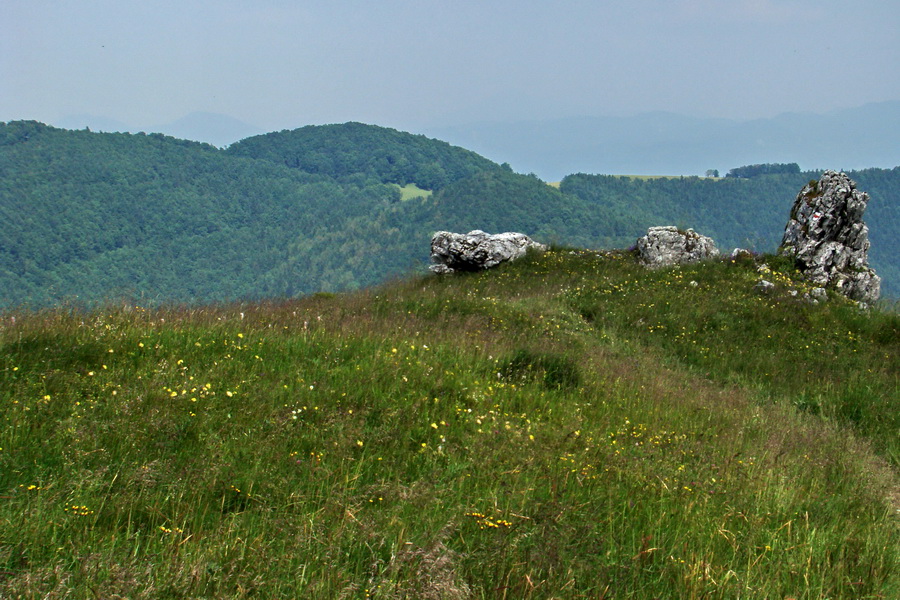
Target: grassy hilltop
[(567, 426)]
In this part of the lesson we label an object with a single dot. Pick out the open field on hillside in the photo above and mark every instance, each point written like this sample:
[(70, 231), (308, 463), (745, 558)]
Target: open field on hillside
[(567, 426), (411, 190)]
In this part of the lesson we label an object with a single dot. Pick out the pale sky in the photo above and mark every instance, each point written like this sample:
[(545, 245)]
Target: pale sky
[(412, 64)]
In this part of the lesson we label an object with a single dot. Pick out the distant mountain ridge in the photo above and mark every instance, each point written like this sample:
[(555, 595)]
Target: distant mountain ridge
[(208, 127), (653, 143), (671, 144), (212, 128)]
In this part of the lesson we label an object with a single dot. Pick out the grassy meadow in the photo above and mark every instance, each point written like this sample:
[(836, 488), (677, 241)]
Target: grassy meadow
[(567, 426), (411, 191)]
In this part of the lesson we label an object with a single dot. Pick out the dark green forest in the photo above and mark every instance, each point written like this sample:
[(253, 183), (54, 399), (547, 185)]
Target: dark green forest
[(103, 217), (749, 171), (354, 152), (147, 217)]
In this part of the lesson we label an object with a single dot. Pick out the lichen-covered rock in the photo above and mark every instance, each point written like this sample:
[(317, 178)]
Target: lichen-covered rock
[(666, 246), (828, 239), (477, 250)]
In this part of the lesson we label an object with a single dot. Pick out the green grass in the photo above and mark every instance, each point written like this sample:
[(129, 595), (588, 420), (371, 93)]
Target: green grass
[(411, 190), (568, 426)]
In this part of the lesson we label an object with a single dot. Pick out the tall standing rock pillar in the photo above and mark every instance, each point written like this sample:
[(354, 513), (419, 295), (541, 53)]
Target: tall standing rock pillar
[(828, 239)]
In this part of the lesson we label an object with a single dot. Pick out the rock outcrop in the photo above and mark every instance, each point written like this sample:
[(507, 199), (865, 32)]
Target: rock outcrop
[(477, 250), (666, 246), (828, 239)]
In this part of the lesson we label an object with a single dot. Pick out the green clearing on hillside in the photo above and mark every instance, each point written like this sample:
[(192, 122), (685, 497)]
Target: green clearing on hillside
[(570, 425), (411, 190)]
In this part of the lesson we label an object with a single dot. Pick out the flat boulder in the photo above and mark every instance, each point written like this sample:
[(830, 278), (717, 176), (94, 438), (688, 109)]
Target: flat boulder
[(666, 246), (477, 250), (828, 239)]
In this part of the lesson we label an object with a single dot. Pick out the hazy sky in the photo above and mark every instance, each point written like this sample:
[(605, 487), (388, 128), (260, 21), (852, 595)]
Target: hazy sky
[(416, 63)]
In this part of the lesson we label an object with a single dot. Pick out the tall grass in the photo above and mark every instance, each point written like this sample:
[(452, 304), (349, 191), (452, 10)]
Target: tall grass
[(568, 426)]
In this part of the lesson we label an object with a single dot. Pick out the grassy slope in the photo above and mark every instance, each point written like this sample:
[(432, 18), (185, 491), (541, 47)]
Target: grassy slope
[(411, 190), (566, 426)]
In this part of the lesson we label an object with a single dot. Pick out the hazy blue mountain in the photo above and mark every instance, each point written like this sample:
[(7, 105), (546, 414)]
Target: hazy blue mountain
[(671, 144)]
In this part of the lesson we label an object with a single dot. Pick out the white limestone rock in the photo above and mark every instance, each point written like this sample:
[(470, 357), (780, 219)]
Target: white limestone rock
[(667, 246), (828, 238), (477, 250)]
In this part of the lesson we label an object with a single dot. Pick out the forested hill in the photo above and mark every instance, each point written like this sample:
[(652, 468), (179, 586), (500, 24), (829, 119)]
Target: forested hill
[(97, 216), (91, 217), (353, 149), (101, 216)]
